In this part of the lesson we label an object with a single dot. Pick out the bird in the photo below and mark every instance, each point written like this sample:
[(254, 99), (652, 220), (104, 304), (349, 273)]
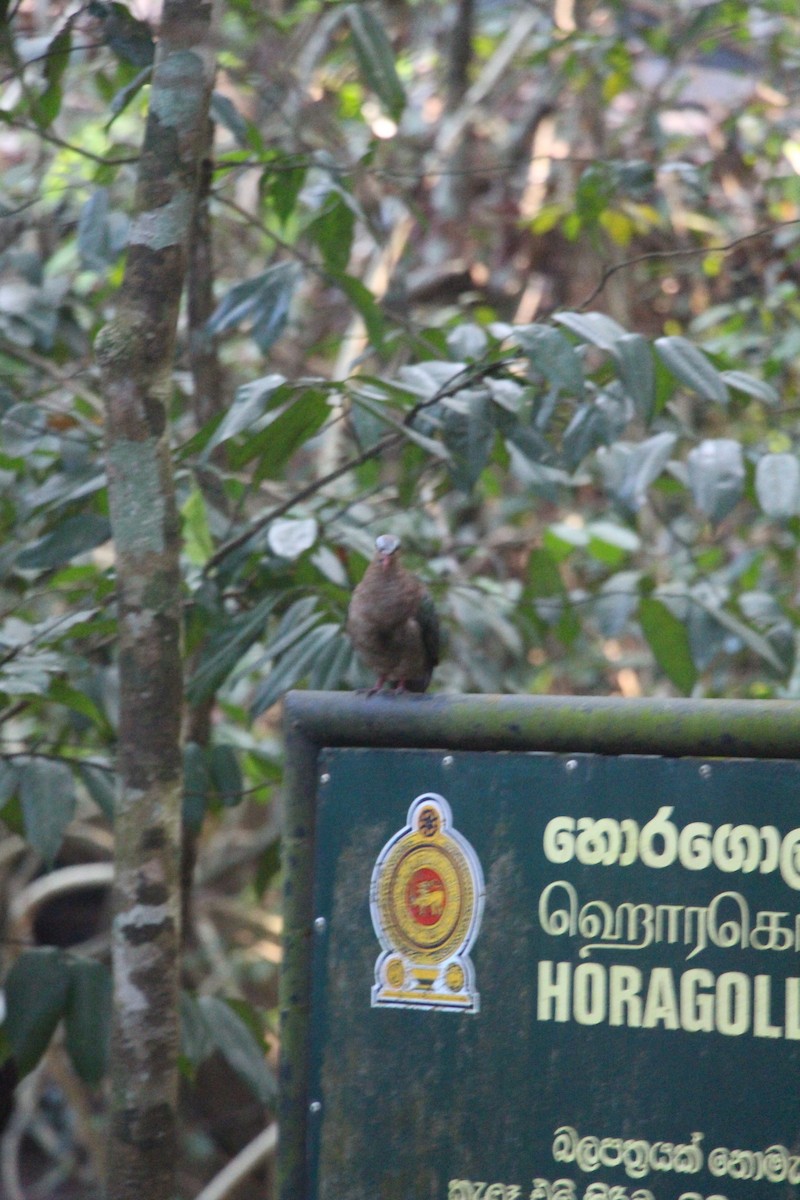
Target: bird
[(392, 622)]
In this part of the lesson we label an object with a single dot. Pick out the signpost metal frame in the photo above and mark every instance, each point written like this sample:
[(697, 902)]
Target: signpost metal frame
[(571, 724)]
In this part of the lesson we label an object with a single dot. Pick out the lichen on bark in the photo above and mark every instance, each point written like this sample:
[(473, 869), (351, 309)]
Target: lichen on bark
[(135, 353)]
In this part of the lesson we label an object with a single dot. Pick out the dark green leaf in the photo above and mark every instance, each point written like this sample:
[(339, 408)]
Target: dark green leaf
[(588, 429), (691, 366), (225, 113), (71, 537), (88, 1018), (93, 231), (250, 403), (292, 667), (239, 1047), (47, 794), (468, 435), (36, 994), (196, 1037), (129, 38), (668, 638), (101, 786), (124, 96), (376, 58), (62, 692), (8, 781), (224, 649), (262, 302), (226, 774), (46, 107), (332, 231), (196, 784), (332, 665), (291, 428), (553, 356), (363, 301), (544, 575), (283, 186), (629, 469), (634, 357)]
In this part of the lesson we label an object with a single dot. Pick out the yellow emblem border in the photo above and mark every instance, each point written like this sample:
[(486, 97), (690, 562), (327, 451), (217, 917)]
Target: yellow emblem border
[(426, 963)]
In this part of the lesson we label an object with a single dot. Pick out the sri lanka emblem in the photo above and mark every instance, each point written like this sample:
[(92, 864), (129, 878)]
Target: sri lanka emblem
[(426, 900)]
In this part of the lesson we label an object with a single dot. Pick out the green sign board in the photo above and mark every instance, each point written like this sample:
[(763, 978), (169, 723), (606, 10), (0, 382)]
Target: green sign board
[(545, 974)]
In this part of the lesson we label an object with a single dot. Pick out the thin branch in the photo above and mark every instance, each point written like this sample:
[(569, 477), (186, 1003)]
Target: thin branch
[(462, 379), (64, 145), (688, 252)]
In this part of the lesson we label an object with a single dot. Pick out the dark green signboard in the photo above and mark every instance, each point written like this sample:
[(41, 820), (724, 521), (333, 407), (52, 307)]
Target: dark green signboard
[(544, 974)]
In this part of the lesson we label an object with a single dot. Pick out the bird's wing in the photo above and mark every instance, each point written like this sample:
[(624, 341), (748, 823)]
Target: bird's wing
[(428, 619)]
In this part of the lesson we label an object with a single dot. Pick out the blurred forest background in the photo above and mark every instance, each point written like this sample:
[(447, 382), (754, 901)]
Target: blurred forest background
[(519, 282)]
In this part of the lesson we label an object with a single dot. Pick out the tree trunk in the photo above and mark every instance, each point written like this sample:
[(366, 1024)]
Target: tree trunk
[(135, 351)]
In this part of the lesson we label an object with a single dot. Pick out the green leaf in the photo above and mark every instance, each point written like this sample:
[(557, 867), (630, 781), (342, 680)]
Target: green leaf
[(739, 381), (71, 537), (634, 357), (560, 539), (332, 231), (47, 794), (225, 113), (128, 37), (293, 666), (593, 327), (692, 368), (101, 786), (62, 692), (196, 1038), (238, 1047), (250, 403), (630, 468), (46, 107), (36, 994), (750, 638), (363, 301), (263, 302), (283, 185), (93, 231), (430, 445), (544, 575), (290, 429), (226, 774), (553, 356), (197, 540), (376, 58), (469, 436), (778, 485), (127, 93), (611, 543), (716, 476), (225, 647), (289, 537), (8, 781), (668, 638), (196, 784), (88, 1018), (589, 428)]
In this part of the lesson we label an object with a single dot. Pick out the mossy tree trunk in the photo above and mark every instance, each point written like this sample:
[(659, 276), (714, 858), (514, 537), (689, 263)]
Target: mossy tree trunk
[(135, 351)]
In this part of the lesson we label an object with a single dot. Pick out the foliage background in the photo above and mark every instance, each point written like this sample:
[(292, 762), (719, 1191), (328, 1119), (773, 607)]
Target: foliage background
[(517, 281)]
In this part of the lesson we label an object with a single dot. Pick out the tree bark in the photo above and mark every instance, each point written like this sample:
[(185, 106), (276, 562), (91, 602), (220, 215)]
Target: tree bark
[(135, 351)]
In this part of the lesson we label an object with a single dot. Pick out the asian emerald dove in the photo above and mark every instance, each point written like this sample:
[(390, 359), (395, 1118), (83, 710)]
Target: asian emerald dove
[(392, 622)]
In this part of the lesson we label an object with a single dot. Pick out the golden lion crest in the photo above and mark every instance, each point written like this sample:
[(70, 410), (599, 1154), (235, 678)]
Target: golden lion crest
[(426, 900)]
